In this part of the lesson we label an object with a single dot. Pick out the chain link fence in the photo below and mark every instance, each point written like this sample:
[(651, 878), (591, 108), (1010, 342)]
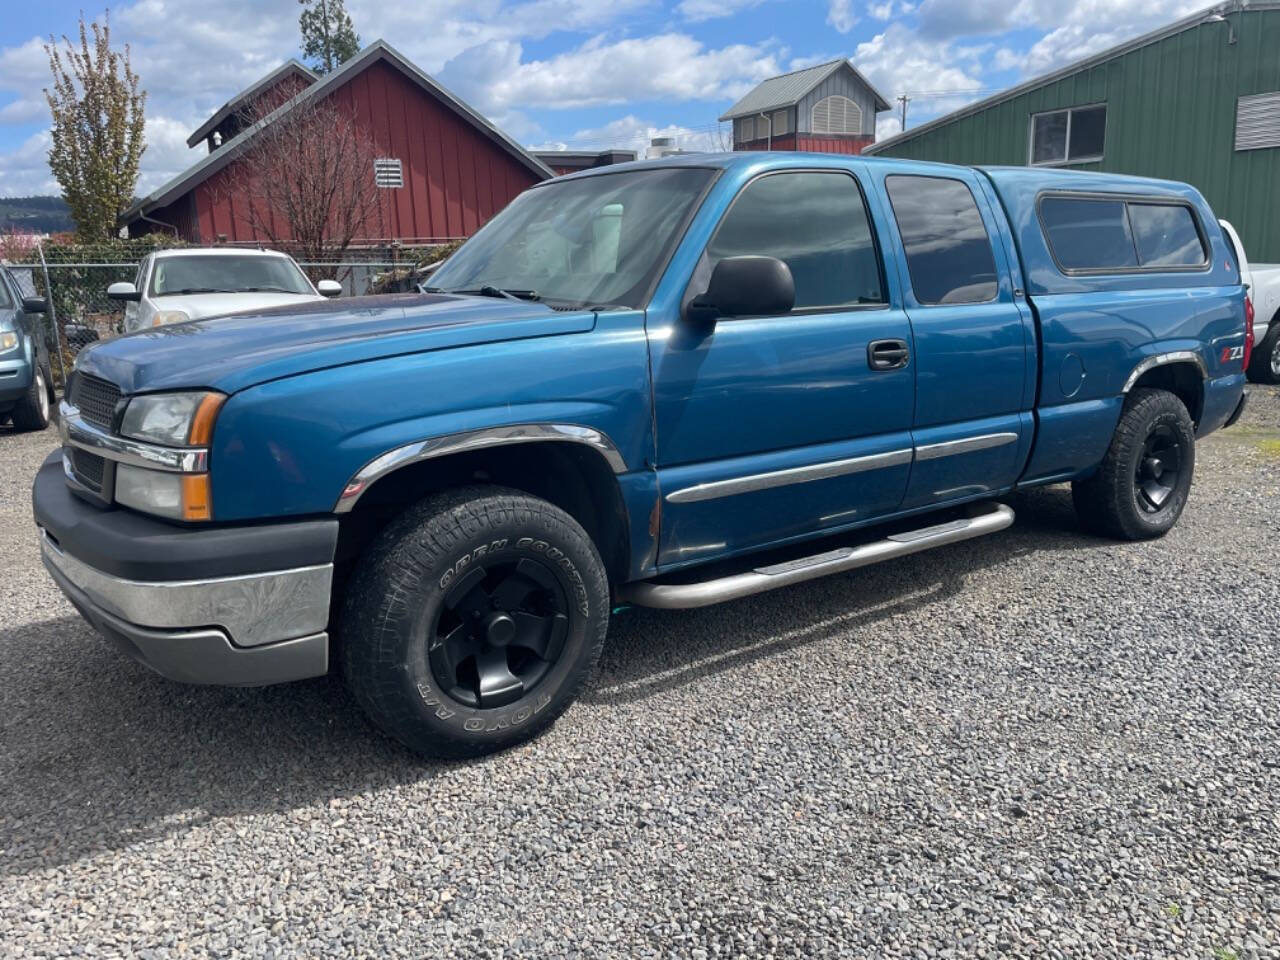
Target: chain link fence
[(73, 278)]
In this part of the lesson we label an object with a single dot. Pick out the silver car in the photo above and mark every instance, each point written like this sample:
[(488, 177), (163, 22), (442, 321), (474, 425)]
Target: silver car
[(173, 286)]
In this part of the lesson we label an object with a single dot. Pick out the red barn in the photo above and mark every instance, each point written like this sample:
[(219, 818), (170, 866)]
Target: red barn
[(829, 108), (445, 168)]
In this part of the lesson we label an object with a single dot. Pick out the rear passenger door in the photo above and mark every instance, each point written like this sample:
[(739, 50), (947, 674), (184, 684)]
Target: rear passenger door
[(974, 347)]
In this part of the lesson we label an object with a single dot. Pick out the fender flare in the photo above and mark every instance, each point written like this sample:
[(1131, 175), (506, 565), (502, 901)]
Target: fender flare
[(502, 436)]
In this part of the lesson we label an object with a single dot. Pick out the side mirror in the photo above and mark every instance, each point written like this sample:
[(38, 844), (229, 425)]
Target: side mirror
[(329, 288), (124, 290), (35, 305), (746, 287)]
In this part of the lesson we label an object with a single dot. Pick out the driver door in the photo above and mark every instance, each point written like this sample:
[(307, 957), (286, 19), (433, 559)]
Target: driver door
[(776, 427)]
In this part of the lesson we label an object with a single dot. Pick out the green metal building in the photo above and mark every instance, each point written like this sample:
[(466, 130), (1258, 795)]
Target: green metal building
[(1197, 101)]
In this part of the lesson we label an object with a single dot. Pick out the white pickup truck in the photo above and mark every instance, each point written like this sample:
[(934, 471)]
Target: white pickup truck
[(1264, 293)]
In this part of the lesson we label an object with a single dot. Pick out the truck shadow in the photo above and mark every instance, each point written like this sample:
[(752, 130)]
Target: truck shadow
[(100, 754), (650, 652)]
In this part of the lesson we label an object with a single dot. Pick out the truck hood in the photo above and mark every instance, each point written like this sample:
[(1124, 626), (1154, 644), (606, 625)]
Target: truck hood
[(234, 352), (200, 305)]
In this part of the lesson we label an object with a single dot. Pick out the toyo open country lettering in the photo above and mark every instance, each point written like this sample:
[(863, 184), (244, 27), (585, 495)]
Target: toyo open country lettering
[(670, 383)]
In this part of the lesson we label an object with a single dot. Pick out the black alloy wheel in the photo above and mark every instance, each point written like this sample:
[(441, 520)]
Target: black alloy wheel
[(1155, 475), (499, 631)]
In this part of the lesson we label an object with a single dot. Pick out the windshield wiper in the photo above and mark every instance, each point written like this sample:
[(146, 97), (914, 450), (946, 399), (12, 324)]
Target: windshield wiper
[(266, 290), (187, 290), (491, 291)]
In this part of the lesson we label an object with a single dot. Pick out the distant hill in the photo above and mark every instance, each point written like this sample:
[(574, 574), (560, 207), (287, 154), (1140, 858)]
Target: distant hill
[(34, 215)]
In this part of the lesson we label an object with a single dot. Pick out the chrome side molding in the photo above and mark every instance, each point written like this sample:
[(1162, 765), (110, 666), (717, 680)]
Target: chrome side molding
[(504, 436), (779, 478), (984, 518), (1163, 359), (949, 448), (836, 468)]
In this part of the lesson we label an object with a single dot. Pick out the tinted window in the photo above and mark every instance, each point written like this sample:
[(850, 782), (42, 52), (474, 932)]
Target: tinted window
[(1088, 128), (817, 224), (1166, 235), (1049, 138), (1088, 234), (948, 249), (5, 301)]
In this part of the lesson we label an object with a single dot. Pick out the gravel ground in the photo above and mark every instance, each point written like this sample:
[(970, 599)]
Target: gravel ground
[(1036, 744)]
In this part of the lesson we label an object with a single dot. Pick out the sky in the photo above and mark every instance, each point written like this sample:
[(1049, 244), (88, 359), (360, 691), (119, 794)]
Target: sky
[(575, 74)]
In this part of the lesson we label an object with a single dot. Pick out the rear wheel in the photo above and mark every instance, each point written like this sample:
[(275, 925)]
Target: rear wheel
[(474, 621), (34, 409), (1142, 486), (1265, 365)]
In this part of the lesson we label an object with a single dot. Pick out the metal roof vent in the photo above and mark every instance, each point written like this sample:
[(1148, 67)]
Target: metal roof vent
[(388, 172)]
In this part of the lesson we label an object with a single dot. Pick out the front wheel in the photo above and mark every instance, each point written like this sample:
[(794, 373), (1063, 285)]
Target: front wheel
[(1265, 365), (34, 409), (1142, 485), (473, 621)]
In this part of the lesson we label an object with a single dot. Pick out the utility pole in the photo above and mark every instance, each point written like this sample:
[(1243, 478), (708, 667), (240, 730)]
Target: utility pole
[(904, 100)]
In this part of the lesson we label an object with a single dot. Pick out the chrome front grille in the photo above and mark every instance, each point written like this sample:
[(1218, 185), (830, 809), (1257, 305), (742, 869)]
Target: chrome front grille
[(95, 399)]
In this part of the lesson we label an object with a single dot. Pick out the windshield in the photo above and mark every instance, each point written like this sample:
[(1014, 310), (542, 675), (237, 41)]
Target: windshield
[(224, 273), (589, 242)]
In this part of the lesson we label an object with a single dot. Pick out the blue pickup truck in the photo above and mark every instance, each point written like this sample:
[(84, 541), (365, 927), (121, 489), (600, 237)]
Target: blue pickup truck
[(666, 384)]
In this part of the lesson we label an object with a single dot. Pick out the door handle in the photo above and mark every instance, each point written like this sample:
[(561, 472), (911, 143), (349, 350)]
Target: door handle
[(887, 354)]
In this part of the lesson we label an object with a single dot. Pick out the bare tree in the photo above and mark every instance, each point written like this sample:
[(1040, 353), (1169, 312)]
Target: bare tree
[(305, 179)]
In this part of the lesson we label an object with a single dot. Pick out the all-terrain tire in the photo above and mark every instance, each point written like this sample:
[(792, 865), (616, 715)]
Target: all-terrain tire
[(1142, 486), (1265, 365), (35, 408), (444, 614)]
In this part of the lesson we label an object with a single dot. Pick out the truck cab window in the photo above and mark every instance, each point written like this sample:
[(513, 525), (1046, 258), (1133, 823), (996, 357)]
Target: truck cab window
[(948, 249), (816, 223)]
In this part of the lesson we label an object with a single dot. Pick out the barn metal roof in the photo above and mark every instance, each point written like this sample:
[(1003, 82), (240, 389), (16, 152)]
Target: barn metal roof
[(248, 93), (788, 89), (378, 50), (1178, 26)]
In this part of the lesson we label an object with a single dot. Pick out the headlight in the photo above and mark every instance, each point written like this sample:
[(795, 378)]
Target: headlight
[(8, 341), (172, 419), (170, 316)]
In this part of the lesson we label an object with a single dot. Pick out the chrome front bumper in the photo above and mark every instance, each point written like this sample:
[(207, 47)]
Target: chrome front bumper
[(246, 630)]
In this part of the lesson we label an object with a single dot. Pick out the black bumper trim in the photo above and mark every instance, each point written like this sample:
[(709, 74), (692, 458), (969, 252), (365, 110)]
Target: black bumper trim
[(129, 545), (1239, 412)]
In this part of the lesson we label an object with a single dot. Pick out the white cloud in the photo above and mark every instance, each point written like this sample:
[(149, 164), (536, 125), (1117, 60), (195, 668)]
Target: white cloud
[(699, 10), (674, 66), (632, 133), (899, 60), (840, 15), (26, 169), (887, 125)]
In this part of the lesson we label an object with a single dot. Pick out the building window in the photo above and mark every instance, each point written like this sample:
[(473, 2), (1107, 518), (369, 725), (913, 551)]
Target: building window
[(743, 130), (780, 120), (1258, 121), (817, 224), (947, 245), (1068, 136), (837, 115), (388, 172)]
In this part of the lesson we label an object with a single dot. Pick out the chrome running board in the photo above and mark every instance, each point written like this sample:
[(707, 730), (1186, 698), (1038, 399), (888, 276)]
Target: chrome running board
[(984, 518)]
